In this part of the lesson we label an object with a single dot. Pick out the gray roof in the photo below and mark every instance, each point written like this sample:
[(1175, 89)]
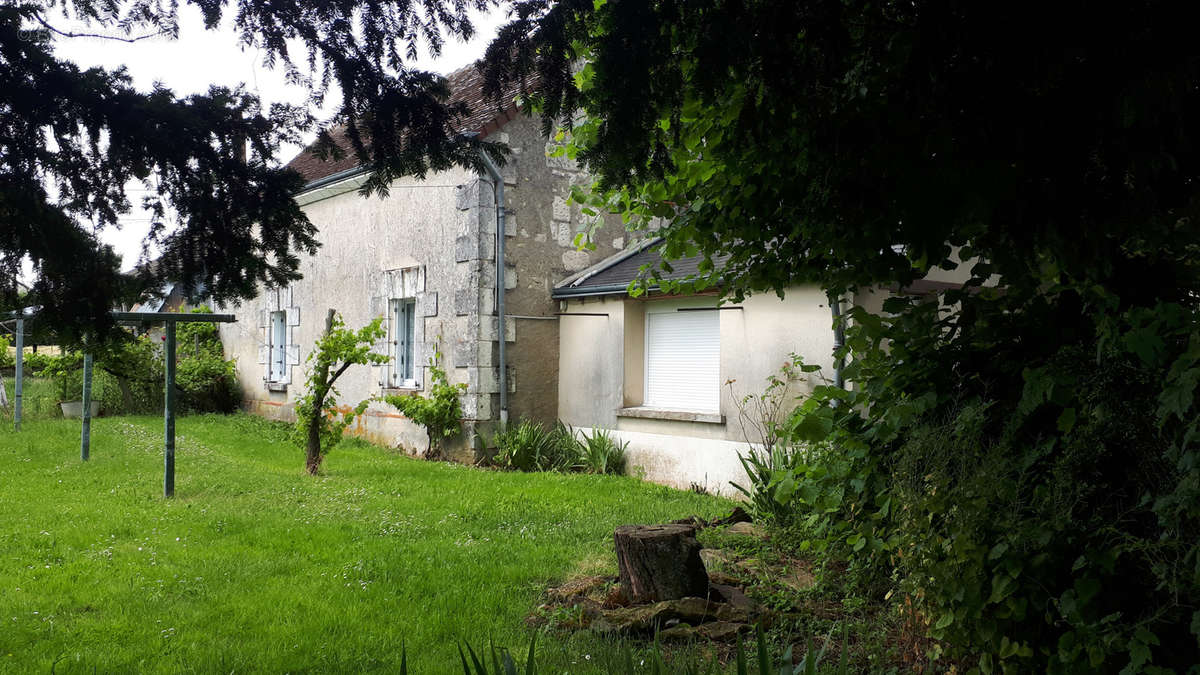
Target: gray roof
[(613, 275)]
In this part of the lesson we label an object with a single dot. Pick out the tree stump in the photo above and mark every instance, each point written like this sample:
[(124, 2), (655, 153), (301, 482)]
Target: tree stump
[(660, 562)]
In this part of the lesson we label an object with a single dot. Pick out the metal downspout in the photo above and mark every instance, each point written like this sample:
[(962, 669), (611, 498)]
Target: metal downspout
[(498, 199)]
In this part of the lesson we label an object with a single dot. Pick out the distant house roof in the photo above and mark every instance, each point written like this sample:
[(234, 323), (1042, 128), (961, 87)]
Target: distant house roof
[(613, 275), (466, 86)]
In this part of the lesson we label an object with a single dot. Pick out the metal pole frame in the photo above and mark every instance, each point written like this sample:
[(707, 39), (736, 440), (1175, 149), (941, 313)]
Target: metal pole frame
[(20, 375), (85, 436), (169, 414), (170, 319)]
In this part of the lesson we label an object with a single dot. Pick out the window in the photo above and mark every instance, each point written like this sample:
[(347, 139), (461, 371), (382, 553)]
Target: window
[(277, 358), (403, 321), (683, 360)]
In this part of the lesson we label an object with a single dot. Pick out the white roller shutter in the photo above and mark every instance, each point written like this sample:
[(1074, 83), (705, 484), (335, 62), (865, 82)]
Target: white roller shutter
[(683, 361)]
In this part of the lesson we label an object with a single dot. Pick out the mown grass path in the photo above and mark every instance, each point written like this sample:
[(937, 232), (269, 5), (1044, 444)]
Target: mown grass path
[(256, 567)]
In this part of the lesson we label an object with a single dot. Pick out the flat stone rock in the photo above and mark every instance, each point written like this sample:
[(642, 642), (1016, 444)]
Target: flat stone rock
[(644, 619), (745, 529), (680, 633), (714, 557), (734, 597), (723, 579), (798, 579), (721, 631)]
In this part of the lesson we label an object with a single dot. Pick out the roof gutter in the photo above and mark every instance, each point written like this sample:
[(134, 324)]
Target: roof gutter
[(332, 178), (585, 291)]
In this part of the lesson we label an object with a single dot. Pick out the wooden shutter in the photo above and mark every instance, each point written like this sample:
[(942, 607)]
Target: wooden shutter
[(683, 361)]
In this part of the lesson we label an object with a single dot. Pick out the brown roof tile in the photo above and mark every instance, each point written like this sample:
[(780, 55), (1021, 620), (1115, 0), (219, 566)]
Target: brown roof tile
[(466, 85)]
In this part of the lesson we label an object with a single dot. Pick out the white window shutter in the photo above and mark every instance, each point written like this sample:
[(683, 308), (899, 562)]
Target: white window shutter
[(683, 360)]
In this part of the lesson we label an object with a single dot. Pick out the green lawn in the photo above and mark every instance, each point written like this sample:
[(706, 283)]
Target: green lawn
[(255, 566)]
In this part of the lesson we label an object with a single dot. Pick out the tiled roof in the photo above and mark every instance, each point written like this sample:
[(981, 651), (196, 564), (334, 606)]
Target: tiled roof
[(466, 85), (611, 276)]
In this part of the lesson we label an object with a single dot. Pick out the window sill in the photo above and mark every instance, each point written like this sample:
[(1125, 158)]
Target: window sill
[(401, 391), (277, 386), (645, 412)]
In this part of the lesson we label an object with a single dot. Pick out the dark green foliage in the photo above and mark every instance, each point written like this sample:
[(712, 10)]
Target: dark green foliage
[(1058, 529), (852, 143), (1009, 461), (440, 412), (224, 219)]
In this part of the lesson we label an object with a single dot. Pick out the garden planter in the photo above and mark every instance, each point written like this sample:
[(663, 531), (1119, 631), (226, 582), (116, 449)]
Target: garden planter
[(74, 409)]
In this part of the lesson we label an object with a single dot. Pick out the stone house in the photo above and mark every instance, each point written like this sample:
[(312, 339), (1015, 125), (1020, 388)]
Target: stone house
[(425, 259), (664, 373)]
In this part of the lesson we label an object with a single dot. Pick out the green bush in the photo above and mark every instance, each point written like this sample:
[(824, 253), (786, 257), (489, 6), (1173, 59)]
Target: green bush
[(207, 382), (440, 412), (6, 359), (34, 362), (1051, 528), (601, 453), (529, 446), (774, 476)]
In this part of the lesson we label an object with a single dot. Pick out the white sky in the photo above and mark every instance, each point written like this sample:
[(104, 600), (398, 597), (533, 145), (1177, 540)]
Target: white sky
[(201, 58)]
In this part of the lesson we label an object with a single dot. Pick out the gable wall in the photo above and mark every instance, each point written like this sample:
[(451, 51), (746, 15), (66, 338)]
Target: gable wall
[(446, 226)]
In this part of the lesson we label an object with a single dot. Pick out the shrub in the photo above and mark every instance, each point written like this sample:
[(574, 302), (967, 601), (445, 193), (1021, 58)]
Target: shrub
[(208, 383), (35, 362), (1054, 528), (6, 359), (440, 412), (64, 370), (601, 453), (529, 446)]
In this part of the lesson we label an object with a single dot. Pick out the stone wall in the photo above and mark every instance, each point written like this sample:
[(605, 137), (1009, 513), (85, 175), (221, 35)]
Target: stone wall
[(445, 227)]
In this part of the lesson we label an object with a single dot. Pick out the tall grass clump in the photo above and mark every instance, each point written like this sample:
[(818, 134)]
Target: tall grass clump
[(530, 446), (601, 453)]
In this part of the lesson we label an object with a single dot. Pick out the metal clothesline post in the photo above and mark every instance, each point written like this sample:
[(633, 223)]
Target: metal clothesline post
[(167, 318), (85, 436), (20, 375), (169, 416)]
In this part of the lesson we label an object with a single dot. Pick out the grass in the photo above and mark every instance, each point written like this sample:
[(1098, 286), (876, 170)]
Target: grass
[(255, 566)]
